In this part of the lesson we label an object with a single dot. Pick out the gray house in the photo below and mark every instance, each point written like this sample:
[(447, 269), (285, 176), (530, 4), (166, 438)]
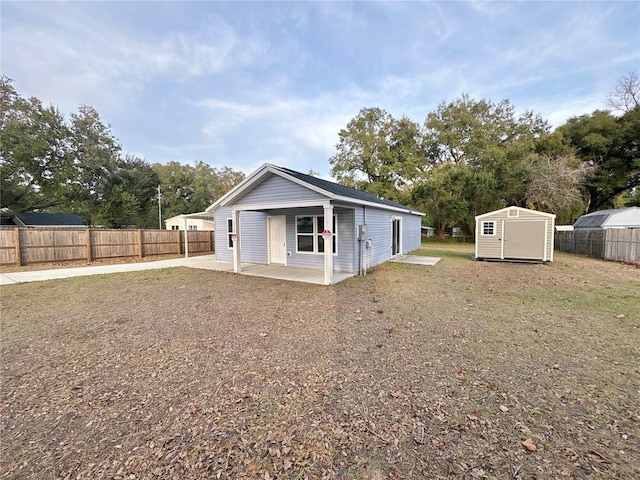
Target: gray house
[(278, 216)]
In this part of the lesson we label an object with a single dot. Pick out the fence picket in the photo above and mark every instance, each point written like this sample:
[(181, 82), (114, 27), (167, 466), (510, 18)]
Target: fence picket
[(23, 246)]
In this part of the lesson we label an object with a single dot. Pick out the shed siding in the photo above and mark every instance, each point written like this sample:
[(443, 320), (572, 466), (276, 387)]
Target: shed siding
[(278, 189), (490, 246)]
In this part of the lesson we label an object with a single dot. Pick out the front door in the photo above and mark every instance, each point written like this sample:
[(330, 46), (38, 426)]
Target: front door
[(278, 239), (395, 237)]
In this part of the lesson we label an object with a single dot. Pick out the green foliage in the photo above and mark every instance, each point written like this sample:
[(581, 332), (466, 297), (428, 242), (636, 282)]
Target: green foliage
[(610, 146), (378, 153), (77, 166), (190, 189), (33, 152)]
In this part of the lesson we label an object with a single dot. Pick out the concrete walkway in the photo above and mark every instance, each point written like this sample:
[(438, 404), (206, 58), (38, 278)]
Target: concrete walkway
[(207, 262), (204, 261), (416, 260)]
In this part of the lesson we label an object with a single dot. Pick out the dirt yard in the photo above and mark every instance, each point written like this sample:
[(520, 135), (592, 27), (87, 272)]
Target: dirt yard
[(464, 370)]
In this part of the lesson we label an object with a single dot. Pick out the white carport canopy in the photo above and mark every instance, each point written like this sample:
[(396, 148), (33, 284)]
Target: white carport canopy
[(199, 216)]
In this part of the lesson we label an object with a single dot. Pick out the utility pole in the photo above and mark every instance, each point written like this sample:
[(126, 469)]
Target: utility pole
[(159, 208)]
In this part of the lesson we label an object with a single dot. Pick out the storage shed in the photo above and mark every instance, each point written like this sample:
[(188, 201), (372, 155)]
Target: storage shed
[(515, 233)]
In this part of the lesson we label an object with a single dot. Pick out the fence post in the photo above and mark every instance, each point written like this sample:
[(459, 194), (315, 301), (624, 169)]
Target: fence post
[(210, 241), (179, 238), (16, 241), (88, 242), (140, 243)]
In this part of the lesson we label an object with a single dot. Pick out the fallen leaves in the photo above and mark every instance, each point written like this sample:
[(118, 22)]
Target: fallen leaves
[(529, 445)]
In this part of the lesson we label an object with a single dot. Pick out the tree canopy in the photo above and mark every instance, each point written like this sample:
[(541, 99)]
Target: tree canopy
[(49, 163), (473, 156)]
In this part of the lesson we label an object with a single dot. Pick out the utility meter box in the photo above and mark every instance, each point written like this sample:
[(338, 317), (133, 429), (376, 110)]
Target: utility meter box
[(362, 232)]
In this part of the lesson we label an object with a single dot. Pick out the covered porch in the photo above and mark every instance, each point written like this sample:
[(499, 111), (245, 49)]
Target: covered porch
[(280, 241), (279, 272)]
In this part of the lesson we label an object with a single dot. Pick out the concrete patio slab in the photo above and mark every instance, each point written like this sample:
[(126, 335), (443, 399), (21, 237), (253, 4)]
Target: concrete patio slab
[(206, 262), (416, 260)]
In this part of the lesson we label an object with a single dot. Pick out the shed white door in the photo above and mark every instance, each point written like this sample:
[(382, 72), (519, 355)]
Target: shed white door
[(524, 239), (278, 239)]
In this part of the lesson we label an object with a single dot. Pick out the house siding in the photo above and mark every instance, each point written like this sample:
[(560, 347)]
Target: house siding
[(379, 229), (342, 262), (410, 233), (222, 251), (253, 237), (278, 189)]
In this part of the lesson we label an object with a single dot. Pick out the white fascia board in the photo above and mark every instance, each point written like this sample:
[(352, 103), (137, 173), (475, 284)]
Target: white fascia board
[(520, 209), (199, 215), (381, 206), (281, 205)]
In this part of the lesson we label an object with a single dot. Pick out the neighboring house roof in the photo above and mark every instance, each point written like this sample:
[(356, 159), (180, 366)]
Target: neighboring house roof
[(207, 217), (38, 219), (332, 190), (613, 218)]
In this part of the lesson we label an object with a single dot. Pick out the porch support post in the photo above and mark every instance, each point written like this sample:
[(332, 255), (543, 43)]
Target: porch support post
[(328, 245), (235, 215), (186, 239)]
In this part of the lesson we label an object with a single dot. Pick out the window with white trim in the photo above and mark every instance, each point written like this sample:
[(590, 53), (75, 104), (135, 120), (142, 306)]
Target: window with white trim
[(229, 232), (193, 227), (175, 227), (488, 228), (309, 234)]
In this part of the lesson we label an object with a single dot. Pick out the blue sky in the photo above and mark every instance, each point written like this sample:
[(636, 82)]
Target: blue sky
[(239, 84)]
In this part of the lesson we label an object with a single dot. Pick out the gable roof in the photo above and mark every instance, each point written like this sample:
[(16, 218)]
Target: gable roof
[(329, 189), (520, 209), (601, 218)]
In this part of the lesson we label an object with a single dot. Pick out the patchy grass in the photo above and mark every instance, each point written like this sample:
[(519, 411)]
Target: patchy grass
[(463, 370)]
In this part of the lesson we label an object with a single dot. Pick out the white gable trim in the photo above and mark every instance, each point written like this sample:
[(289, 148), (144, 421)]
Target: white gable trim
[(519, 209), (256, 177)]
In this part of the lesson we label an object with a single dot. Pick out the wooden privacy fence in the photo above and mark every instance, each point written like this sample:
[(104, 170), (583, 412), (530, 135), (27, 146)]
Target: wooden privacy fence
[(621, 245), (24, 246)]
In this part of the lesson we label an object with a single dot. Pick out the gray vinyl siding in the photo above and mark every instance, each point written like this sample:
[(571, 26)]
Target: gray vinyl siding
[(252, 235), (220, 219), (379, 229), (276, 189), (344, 261), (410, 233)]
